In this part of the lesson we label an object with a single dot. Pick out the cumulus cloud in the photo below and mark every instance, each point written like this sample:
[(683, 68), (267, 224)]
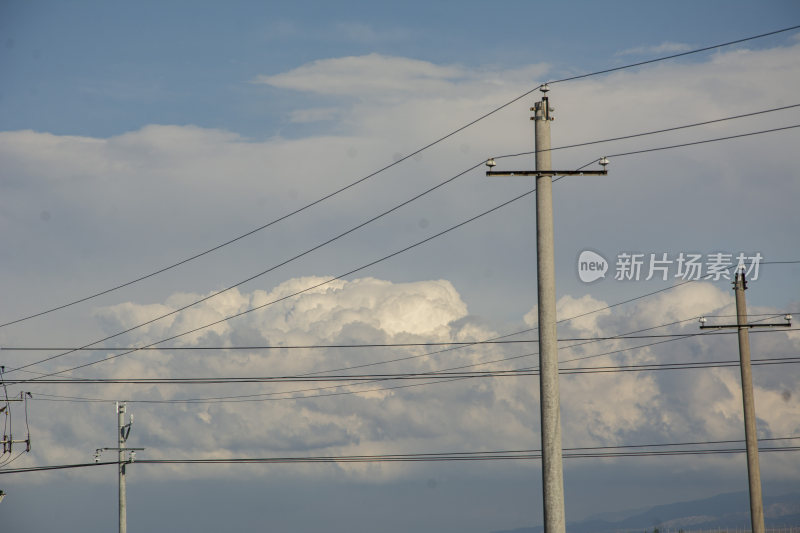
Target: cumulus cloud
[(149, 196), (380, 77), (657, 406), (325, 418), (370, 73), (365, 310)]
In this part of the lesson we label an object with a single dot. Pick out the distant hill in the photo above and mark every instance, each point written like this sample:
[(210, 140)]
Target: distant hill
[(723, 511)]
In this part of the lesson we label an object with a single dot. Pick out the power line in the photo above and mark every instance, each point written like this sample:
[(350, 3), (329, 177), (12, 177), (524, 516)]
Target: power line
[(563, 320), (268, 396), (654, 132), (436, 374), (683, 145), (500, 206), (53, 467), (273, 268), (641, 450), (673, 56), (340, 346), (440, 458), (369, 345), (610, 306), (262, 396), (402, 159), (384, 213), (330, 280)]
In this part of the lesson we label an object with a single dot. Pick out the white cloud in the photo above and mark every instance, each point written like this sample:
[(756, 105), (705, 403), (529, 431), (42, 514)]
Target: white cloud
[(656, 50), (149, 196), (317, 114), (687, 301), (372, 73), (387, 77), (658, 406), (362, 310), (601, 409)]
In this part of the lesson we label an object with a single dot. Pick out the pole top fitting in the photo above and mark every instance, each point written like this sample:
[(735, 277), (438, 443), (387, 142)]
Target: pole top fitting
[(542, 110), (544, 88), (740, 271), (603, 161)]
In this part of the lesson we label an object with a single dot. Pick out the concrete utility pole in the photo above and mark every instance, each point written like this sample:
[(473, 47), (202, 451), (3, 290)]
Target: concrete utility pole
[(549, 398), (552, 470), (8, 441), (748, 400)]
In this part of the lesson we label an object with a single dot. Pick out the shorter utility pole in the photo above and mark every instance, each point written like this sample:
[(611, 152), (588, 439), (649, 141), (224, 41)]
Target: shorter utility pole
[(8, 440), (122, 435), (123, 431), (748, 400), (8, 443)]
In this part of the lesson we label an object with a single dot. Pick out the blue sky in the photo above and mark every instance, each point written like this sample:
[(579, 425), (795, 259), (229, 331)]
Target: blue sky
[(133, 136), (96, 68)]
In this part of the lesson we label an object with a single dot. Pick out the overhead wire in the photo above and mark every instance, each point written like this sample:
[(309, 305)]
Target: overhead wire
[(660, 148), (694, 143), (437, 374), (416, 356), (355, 346), (296, 293), (613, 155), (500, 206), (672, 56), (586, 313), (584, 452), (255, 276), (434, 374), (461, 457), (263, 395), (397, 162), (310, 250), (571, 318), (652, 132), (11, 460)]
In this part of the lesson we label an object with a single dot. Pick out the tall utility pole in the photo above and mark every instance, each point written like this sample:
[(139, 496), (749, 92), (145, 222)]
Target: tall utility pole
[(748, 400), (552, 470), (549, 398)]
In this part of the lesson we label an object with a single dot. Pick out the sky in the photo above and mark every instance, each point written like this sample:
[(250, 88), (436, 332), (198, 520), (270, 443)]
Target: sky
[(134, 137)]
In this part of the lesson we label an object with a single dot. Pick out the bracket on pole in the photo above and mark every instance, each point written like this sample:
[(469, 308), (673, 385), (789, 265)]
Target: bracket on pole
[(491, 164), (787, 324), (547, 173)]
